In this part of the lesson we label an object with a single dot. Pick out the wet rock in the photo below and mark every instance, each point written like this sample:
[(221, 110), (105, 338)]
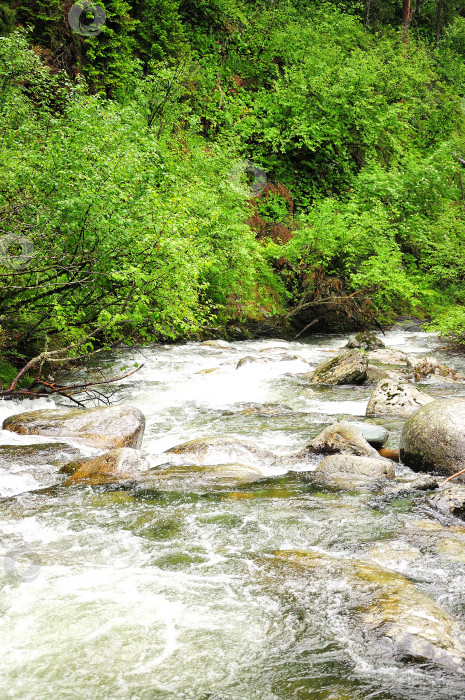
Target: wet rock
[(375, 435), (342, 437), (433, 439), (116, 465), (394, 398), (218, 344), (259, 409), (218, 449), (281, 357), (188, 477), (387, 356), (429, 367), (450, 500), (365, 341), (347, 471), (112, 426), (374, 374), (388, 606), (53, 453), (346, 368)]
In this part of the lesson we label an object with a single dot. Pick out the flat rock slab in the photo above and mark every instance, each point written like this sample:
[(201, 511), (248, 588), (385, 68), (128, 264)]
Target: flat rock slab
[(395, 398), (347, 471), (108, 427), (433, 438)]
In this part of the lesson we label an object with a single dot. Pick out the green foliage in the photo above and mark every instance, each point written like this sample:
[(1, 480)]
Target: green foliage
[(118, 151)]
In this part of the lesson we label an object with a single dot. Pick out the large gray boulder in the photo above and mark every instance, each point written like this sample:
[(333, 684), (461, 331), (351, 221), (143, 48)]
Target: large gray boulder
[(116, 465), (108, 427), (395, 398), (366, 340), (433, 438), (341, 437), (346, 368), (348, 471)]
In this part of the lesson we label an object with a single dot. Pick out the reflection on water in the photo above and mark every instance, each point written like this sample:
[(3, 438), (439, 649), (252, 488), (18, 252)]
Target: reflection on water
[(150, 594)]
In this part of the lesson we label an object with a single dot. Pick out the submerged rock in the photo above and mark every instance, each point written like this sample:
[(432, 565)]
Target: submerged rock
[(365, 341), (108, 427), (347, 471), (218, 344), (231, 449), (433, 439), (394, 398), (388, 606), (39, 454), (264, 359), (450, 500), (346, 368), (342, 437), (115, 465), (259, 409), (189, 476)]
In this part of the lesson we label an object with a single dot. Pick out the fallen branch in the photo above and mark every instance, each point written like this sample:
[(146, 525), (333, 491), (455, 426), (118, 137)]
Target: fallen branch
[(449, 478)]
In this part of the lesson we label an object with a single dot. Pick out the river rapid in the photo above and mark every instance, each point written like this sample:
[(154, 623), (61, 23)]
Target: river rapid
[(151, 594)]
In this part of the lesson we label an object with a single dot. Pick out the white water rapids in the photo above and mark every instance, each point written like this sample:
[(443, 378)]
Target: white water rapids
[(147, 594)]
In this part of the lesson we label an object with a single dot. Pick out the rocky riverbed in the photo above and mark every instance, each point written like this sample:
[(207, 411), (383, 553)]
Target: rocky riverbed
[(240, 526)]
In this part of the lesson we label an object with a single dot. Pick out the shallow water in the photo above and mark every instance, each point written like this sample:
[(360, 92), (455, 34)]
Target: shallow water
[(149, 594)]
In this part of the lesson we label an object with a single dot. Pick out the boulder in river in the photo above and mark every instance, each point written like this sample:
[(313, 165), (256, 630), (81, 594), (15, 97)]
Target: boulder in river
[(348, 471), (386, 605), (433, 438), (116, 465), (366, 340), (346, 368), (108, 427), (342, 437), (395, 398)]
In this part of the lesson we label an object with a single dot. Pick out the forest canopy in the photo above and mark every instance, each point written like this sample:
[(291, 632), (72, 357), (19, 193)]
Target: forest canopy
[(203, 165)]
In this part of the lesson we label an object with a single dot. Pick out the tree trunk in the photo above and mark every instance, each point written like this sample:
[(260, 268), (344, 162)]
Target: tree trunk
[(406, 14), (438, 24)]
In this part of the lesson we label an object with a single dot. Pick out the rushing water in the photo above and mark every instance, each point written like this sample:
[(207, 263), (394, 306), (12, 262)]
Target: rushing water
[(163, 594)]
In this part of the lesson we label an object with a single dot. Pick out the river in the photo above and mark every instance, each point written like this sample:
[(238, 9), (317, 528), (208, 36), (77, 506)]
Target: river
[(164, 594)]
